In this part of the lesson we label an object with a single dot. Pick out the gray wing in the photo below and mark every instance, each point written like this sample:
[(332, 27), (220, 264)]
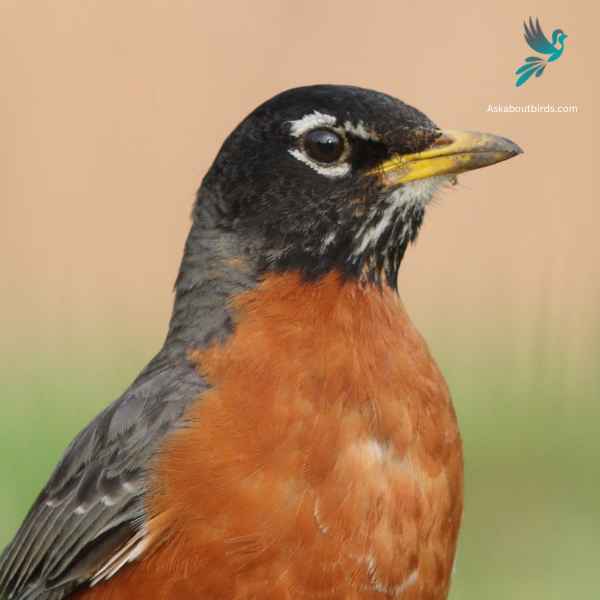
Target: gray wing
[(93, 504)]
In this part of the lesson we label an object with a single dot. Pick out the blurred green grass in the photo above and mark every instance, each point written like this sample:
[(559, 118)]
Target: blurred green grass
[(532, 447)]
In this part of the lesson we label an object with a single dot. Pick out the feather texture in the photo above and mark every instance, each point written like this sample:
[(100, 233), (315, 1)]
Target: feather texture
[(89, 519)]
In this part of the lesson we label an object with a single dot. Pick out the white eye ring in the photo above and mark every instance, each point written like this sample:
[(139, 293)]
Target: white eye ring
[(317, 120), (335, 170), (312, 120)]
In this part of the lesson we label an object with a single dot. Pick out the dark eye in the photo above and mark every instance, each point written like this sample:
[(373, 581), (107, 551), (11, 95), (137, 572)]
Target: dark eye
[(324, 145)]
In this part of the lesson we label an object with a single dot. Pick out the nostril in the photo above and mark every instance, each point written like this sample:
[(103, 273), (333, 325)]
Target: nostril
[(442, 140)]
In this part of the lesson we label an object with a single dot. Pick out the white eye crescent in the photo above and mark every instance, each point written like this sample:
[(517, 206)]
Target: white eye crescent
[(323, 147)]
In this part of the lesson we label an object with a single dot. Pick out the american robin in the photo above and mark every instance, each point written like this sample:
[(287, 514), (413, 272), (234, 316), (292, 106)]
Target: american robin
[(293, 438)]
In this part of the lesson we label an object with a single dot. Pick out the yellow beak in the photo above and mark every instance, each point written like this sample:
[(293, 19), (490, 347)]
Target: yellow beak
[(452, 153)]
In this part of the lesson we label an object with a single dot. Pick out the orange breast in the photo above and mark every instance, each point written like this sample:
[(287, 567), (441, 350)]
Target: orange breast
[(325, 462)]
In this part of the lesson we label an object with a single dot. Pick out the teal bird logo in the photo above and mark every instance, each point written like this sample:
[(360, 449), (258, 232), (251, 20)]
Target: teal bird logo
[(537, 40)]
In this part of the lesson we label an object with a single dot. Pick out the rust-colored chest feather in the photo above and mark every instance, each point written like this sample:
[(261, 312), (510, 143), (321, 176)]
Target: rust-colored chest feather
[(325, 462)]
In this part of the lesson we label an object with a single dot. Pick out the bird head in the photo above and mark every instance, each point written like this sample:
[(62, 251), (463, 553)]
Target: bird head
[(558, 37), (327, 177)]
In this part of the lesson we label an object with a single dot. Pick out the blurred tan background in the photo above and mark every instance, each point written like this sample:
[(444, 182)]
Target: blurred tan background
[(111, 112)]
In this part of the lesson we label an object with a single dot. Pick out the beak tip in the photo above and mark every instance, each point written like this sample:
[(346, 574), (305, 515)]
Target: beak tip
[(512, 148)]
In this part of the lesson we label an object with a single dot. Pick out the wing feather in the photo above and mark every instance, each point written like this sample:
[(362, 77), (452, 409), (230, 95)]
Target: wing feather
[(89, 521), (536, 38)]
